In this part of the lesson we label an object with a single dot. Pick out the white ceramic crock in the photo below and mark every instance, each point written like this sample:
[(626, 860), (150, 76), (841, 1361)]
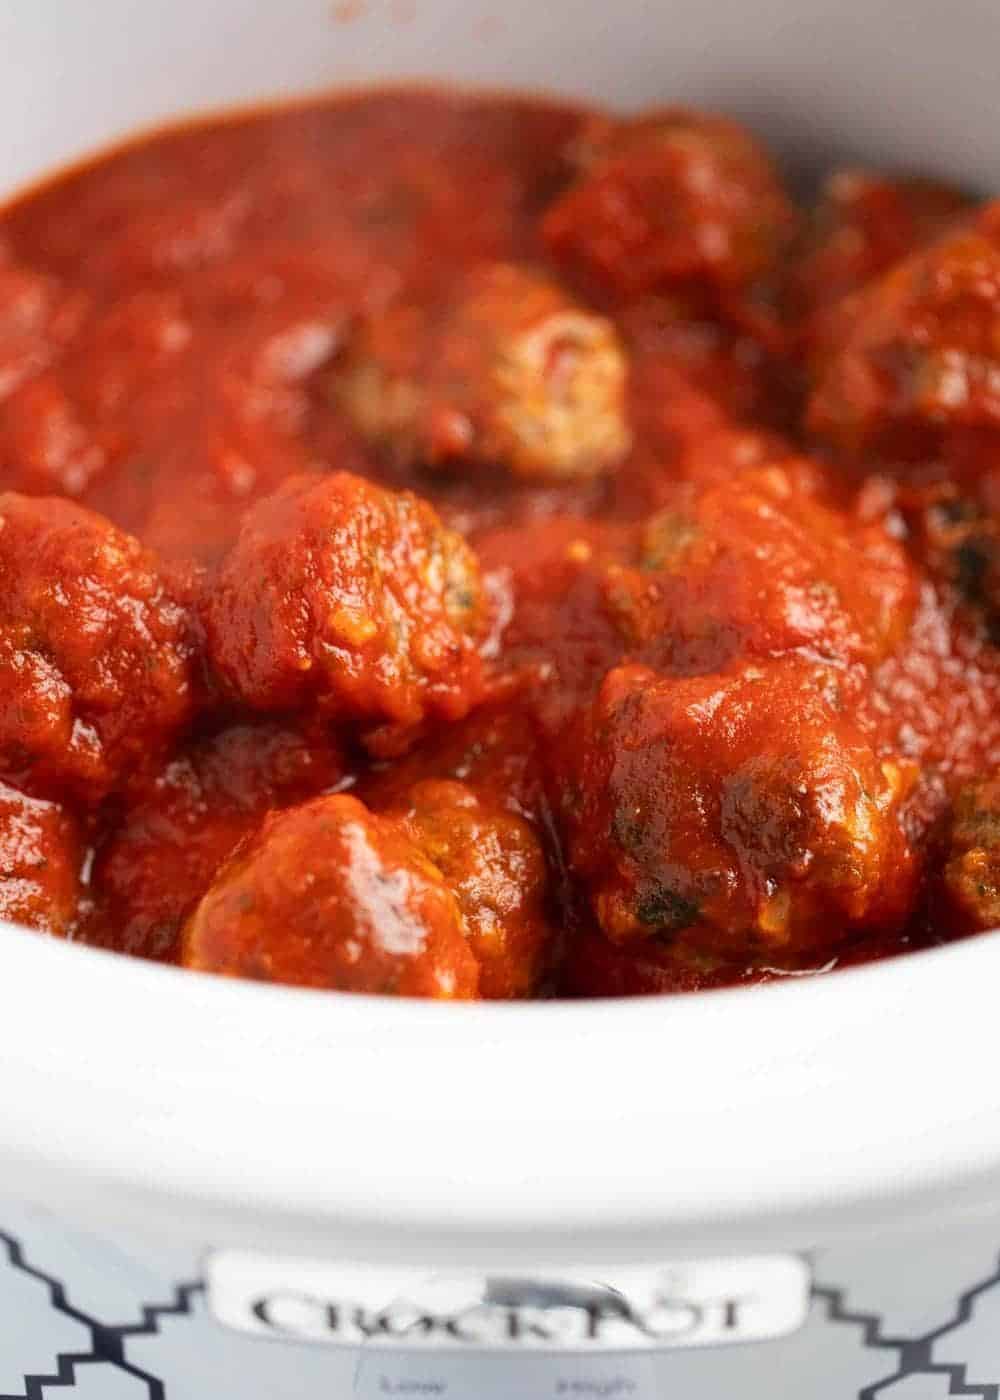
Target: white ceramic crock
[(841, 1133)]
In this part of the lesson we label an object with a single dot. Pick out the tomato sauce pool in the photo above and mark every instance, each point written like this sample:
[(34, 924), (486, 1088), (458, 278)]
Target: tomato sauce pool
[(468, 546)]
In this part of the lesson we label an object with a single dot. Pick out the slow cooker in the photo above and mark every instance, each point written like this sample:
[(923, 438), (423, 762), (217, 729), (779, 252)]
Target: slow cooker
[(215, 1189)]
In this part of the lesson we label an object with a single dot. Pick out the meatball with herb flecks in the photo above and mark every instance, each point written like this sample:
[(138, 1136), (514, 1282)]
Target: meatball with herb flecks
[(863, 223), (330, 895), (677, 201), (957, 543), (507, 372), (972, 874), (96, 670), (494, 863), (746, 811), (41, 854), (917, 357), (761, 564), (164, 850), (347, 601)]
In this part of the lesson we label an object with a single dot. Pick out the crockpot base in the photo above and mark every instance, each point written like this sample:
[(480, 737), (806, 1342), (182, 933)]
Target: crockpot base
[(913, 1316)]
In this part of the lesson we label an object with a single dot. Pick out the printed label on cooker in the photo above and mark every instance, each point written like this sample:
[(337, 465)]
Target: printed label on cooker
[(684, 1304)]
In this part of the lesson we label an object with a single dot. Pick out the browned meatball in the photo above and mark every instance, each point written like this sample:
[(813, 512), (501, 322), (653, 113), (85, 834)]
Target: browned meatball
[(676, 201), (747, 811), (863, 223), (172, 837), (493, 862), (719, 454), (508, 372), (347, 600), (330, 895), (494, 751), (95, 657), (760, 565), (972, 874), (918, 356), (957, 543), (40, 859)]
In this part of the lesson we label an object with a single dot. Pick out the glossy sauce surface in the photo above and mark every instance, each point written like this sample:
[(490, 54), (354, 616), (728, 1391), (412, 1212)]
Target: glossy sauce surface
[(469, 546)]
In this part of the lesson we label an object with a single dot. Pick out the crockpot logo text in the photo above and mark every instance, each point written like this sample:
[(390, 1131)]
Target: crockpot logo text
[(601, 1319), (688, 1303)]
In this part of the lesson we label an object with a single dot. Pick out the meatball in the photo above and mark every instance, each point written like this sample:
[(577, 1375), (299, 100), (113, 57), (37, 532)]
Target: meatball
[(760, 565), (746, 810), (563, 634), (864, 222), (718, 455), (509, 372), (679, 350), (495, 751), (172, 837), (330, 895), (95, 655), (918, 357), (41, 854), (972, 874), (958, 545), (346, 600), (674, 201), (494, 863)]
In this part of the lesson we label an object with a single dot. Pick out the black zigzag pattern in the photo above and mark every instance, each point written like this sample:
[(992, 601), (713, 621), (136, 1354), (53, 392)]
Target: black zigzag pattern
[(872, 1335), (916, 1354), (918, 1363), (107, 1343), (152, 1313), (870, 1323)]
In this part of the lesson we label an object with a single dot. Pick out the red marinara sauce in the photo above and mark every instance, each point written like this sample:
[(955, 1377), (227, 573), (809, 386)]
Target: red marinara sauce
[(467, 546)]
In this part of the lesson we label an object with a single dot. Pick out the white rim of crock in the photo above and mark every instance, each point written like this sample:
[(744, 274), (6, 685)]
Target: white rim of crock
[(540, 1124)]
